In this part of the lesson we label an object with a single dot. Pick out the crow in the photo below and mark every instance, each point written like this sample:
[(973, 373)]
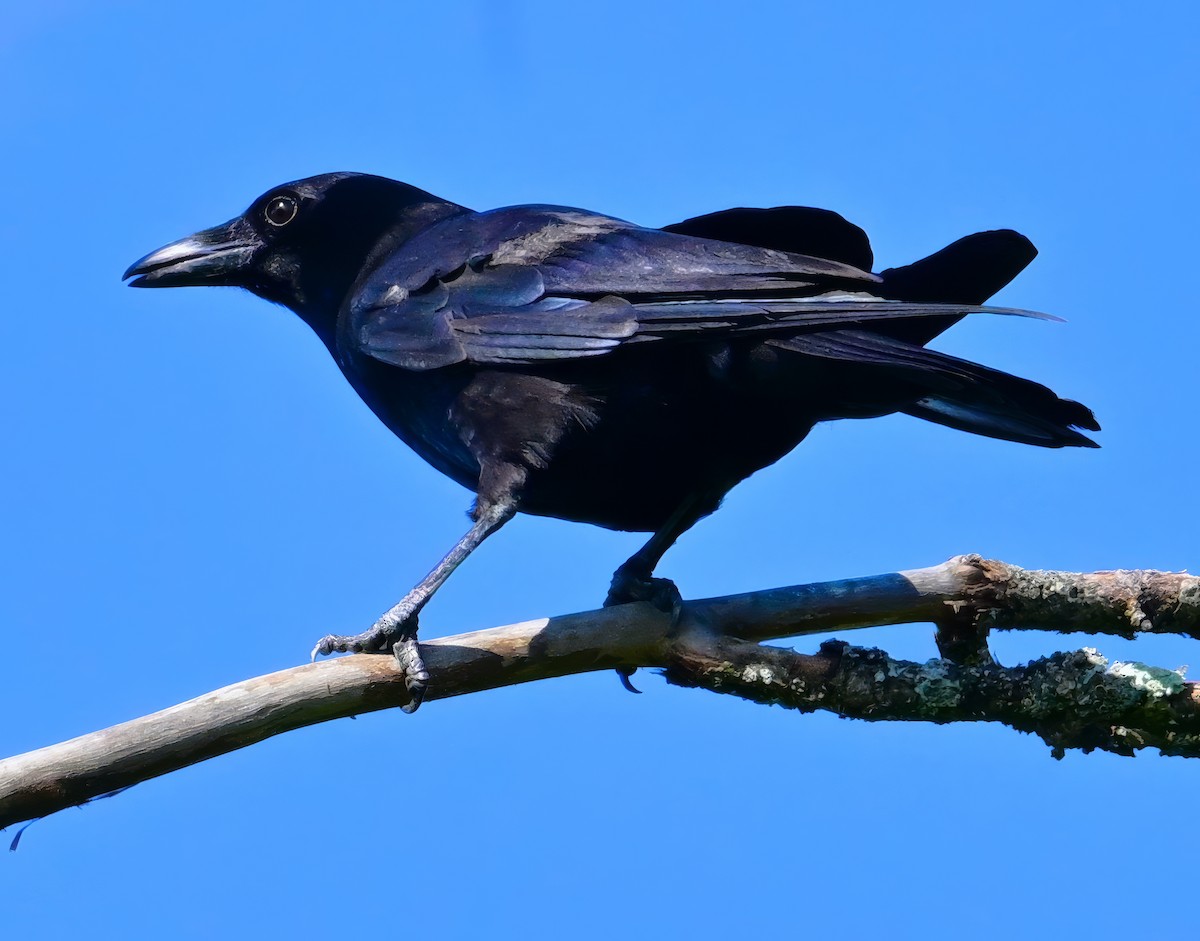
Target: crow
[(564, 363)]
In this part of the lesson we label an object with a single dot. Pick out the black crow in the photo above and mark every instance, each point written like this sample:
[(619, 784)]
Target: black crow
[(569, 364)]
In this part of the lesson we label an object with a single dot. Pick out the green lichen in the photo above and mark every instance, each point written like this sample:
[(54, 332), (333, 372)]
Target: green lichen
[(936, 687), (1154, 682)]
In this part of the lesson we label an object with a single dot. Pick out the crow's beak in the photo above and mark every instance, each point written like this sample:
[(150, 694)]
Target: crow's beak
[(219, 255)]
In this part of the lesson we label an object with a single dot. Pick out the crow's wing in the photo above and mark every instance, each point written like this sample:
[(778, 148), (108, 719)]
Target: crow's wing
[(533, 284), (968, 271)]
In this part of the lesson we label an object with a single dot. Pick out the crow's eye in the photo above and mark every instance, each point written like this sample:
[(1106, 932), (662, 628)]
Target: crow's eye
[(281, 210)]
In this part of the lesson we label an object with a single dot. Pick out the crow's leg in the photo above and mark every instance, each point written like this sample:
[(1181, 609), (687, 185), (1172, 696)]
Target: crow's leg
[(634, 579), (397, 628)]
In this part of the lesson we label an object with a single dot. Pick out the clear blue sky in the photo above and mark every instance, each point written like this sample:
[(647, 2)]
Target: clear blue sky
[(192, 494)]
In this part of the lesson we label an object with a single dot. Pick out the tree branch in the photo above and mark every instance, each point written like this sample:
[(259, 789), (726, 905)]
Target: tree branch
[(1072, 700)]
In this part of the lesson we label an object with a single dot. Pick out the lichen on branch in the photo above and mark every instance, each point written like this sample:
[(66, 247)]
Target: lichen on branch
[(1074, 699)]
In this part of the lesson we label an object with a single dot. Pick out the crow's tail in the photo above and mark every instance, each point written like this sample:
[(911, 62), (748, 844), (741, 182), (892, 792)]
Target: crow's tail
[(1016, 410), (952, 391), (968, 271)]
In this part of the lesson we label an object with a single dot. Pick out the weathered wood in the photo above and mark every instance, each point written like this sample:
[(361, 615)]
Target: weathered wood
[(52, 778), (964, 594)]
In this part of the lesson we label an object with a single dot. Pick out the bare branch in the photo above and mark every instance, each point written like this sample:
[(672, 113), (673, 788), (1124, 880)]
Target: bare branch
[(1071, 700)]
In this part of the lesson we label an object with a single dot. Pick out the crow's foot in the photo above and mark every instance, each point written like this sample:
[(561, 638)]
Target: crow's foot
[(660, 592), (416, 678), (375, 640), (397, 631)]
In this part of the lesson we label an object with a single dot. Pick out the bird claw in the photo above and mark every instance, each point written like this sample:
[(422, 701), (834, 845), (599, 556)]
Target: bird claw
[(376, 640), (397, 631), (662, 593), (625, 681), (416, 677)]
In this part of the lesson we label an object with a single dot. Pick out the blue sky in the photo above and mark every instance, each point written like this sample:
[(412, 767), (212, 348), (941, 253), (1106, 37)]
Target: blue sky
[(192, 494)]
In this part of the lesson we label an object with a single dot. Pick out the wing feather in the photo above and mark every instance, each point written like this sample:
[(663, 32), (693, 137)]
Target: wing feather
[(534, 284)]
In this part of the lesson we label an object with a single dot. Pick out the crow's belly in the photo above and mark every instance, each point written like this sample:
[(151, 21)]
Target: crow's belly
[(620, 444), (641, 461), (633, 488)]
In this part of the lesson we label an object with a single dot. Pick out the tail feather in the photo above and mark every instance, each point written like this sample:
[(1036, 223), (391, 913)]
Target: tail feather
[(1009, 421), (926, 384), (954, 392), (968, 271)]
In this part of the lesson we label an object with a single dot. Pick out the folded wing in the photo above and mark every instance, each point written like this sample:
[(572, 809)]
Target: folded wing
[(534, 284)]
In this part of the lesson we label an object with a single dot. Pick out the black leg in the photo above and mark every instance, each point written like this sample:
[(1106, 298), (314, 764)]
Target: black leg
[(634, 579), (397, 628)]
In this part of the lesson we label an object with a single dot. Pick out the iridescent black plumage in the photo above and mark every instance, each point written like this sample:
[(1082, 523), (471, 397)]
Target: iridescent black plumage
[(569, 364)]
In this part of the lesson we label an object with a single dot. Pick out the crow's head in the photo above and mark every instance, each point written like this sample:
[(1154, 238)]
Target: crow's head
[(302, 244)]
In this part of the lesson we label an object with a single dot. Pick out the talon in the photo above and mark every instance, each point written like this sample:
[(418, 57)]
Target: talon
[(416, 677), (418, 697), (322, 648), (624, 676), (397, 631)]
